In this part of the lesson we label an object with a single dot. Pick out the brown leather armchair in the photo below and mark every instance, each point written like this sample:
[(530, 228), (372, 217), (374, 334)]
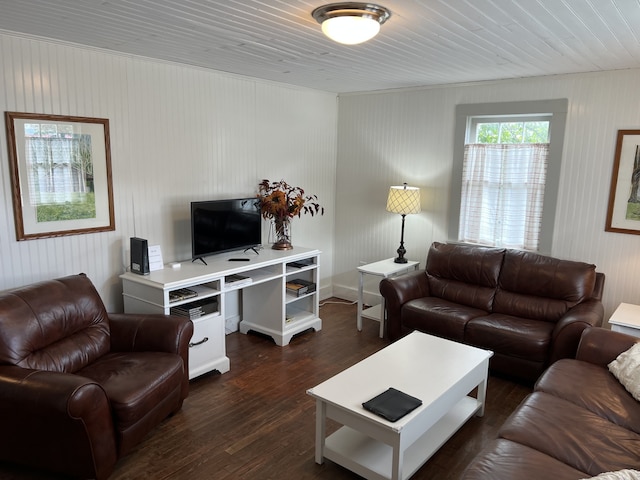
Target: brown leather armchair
[(80, 387)]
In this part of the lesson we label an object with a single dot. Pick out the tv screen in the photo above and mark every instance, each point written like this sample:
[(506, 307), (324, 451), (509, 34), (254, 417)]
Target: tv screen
[(224, 225)]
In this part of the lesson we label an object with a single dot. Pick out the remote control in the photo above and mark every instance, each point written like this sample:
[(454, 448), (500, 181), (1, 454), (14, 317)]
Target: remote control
[(239, 259)]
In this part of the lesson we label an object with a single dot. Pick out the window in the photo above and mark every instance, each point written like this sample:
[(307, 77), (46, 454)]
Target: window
[(506, 171)]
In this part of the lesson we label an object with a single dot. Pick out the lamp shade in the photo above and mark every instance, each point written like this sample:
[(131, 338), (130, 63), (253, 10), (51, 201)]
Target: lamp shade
[(403, 200)]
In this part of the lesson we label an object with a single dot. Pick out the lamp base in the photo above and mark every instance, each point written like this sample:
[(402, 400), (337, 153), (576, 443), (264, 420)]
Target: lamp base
[(401, 251)]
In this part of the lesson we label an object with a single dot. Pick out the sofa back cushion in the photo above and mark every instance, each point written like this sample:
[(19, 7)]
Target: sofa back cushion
[(464, 274), (541, 288), (57, 325)]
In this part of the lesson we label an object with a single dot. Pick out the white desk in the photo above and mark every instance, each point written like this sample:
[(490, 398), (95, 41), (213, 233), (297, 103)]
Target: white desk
[(383, 268), (267, 306), (626, 319)]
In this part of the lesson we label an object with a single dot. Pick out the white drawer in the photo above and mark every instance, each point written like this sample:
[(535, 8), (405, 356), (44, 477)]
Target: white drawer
[(207, 344)]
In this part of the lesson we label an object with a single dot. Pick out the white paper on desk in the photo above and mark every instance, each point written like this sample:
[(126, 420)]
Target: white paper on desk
[(155, 258)]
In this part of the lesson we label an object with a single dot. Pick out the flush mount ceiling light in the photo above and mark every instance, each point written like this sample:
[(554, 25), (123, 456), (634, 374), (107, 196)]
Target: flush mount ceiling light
[(351, 22)]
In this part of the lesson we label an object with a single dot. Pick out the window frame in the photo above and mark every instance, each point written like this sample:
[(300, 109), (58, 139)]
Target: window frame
[(557, 108)]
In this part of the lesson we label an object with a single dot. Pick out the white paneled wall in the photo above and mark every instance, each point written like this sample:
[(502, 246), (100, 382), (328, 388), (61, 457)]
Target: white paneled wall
[(389, 137), (180, 134), (177, 134)]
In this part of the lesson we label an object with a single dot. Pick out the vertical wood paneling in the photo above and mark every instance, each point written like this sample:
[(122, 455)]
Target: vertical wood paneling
[(177, 134), (390, 136)]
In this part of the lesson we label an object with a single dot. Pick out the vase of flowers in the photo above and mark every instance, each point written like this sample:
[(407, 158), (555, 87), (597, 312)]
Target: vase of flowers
[(280, 202)]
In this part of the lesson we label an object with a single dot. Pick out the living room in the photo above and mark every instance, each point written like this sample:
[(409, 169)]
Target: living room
[(182, 133)]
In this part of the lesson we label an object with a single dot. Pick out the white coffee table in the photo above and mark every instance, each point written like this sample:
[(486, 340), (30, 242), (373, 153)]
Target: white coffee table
[(440, 372)]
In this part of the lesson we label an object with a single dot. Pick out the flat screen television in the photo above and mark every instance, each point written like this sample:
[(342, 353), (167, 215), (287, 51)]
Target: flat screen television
[(224, 225)]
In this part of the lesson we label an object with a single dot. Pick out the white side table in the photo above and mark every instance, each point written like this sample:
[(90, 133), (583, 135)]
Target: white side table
[(626, 319), (384, 269)]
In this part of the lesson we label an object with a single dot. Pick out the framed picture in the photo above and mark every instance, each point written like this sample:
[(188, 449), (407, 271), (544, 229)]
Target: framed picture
[(623, 214), (60, 170)]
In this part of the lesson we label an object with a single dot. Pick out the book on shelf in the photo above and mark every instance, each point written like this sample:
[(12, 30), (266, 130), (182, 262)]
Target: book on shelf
[(301, 263), (237, 280), (181, 294), (300, 287), (196, 309)]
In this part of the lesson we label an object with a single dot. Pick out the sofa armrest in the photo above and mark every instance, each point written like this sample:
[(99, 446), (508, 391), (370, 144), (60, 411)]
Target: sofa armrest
[(399, 290), (601, 346), (567, 332), (71, 415), (133, 332)]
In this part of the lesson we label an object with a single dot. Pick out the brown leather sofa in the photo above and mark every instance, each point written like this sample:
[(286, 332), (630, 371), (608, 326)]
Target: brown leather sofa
[(579, 422), (529, 309), (80, 387)]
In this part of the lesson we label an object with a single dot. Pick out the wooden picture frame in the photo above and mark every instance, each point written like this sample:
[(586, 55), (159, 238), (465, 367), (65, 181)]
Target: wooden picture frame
[(60, 169), (623, 213)]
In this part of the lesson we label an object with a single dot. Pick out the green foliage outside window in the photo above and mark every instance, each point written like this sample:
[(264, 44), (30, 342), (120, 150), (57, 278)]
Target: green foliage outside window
[(513, 132)]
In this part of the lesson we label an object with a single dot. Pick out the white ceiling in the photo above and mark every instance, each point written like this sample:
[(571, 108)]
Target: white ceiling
[(428, 42)]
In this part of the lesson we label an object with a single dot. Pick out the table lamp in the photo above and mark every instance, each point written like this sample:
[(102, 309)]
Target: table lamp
[(403, 200)]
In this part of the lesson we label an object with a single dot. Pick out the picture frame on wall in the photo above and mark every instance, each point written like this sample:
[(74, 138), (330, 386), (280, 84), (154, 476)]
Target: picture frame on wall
[(60, 169), (623, 213)]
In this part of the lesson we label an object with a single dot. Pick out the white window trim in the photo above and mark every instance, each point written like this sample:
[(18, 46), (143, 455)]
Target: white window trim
[(558, 109)]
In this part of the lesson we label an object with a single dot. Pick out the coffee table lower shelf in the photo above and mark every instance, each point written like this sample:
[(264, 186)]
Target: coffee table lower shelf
[(373, 459)]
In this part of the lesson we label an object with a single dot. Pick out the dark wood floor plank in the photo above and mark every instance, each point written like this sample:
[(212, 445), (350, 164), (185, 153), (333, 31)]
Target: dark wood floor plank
[(257, 422)]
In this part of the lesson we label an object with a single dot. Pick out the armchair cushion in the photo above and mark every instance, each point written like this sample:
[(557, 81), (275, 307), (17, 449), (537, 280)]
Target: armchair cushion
[(60, 327)]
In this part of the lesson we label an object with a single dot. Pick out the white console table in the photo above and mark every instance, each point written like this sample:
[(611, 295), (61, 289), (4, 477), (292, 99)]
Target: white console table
[(267, 307), (383, 268), (626, 319)]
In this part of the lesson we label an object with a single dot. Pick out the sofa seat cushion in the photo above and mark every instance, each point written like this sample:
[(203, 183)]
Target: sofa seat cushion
[(512, 336), (438, 317), (603, 394), (136, 382), (573, 435), (507, 460)]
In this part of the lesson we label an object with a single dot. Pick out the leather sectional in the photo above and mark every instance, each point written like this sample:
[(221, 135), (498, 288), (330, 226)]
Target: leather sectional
[(579, 421)]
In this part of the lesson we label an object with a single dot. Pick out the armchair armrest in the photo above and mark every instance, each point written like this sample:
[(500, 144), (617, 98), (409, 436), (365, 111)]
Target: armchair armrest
[(131, 332), (601, 346), (399, 290), (71, 415), (567, 332)]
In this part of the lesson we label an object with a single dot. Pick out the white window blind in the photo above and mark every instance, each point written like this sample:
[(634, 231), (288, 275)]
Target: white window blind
[(502, 194)]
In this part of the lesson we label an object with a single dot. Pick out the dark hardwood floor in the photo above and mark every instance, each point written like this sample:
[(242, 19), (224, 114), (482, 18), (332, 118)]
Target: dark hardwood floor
[(257, 422)]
